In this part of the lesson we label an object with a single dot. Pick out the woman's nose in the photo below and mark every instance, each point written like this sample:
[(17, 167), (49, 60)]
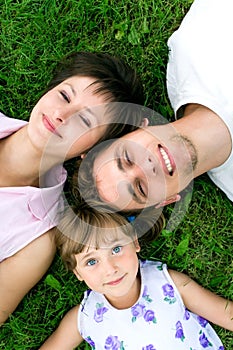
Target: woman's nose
[(61, 115)]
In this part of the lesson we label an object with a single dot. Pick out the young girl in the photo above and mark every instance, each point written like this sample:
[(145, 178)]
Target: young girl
[(30, 193), (131, 304)]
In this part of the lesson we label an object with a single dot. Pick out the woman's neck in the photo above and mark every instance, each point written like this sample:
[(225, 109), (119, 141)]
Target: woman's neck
[(20, 161)]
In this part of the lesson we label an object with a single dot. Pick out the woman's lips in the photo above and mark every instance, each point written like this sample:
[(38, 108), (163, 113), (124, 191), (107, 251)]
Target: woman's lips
[(49, 126)]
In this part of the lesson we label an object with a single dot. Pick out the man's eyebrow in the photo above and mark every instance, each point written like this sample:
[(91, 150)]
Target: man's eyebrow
[(119, 163)]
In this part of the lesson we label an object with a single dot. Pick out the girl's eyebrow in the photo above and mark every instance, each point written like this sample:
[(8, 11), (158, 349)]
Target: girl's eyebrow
[(87, 255)]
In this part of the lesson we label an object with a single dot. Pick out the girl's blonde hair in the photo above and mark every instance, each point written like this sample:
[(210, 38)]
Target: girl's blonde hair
[(82, 226)]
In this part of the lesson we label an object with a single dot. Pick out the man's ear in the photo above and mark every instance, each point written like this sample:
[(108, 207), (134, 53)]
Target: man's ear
[(137, 245), (170, 200), (77, 275), (144, 123)]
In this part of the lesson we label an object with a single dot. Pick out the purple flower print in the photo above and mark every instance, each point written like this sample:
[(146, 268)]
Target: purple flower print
[(112, 342), (145, 294), (186, 315), (90, 342), (137, 310), (99, 312), (221, 348), (148, 347), (204, 341), (202, 321), (168, 292), (179, 331), (149, 315)]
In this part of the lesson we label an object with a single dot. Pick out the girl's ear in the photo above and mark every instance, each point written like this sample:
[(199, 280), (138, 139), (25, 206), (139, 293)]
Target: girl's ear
[(137, 245), (144, 123), (79, 277)]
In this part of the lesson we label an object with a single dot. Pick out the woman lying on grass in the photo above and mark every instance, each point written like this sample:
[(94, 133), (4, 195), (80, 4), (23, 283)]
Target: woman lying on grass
[(62, 125)]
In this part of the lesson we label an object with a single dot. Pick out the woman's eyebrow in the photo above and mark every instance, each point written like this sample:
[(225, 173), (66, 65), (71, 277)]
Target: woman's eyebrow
[(72, 88)]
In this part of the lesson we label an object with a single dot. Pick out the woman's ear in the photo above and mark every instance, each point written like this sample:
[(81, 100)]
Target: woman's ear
[(77, 275), (83, 155), (144, 123)]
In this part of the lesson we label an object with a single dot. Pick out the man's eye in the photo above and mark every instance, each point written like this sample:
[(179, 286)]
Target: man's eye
[(117, 250), (91, 262), (65, 96), (140, 188), (127, 158)]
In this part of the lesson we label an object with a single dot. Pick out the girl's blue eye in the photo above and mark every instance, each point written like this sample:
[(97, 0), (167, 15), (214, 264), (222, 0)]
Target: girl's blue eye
[(91, 262), (117, 249)]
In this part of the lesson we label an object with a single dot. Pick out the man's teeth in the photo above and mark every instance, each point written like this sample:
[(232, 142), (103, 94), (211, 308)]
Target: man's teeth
[(166, 160)]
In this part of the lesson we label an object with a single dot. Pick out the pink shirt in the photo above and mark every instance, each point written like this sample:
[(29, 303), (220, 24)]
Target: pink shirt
[(27, 212)]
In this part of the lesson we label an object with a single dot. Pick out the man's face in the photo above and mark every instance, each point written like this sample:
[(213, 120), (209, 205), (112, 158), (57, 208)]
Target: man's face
[(144, 168)]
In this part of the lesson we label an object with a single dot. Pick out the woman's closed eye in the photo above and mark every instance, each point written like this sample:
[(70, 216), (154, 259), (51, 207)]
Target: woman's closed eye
[(65, 96)]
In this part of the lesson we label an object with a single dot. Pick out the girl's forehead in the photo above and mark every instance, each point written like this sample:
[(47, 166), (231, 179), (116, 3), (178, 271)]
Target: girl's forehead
[(107, 239)]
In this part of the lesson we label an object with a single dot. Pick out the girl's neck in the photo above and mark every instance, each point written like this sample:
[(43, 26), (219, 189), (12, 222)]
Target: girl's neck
[(129, 299), (20, 161)]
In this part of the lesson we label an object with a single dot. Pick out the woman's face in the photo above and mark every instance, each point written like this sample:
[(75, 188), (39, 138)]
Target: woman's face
[(68, 119)]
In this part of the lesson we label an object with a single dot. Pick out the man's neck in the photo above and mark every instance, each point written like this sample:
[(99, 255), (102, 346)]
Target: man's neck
[(208, 133)]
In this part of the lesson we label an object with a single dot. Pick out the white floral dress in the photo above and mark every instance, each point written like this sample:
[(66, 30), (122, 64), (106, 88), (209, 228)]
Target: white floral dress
[(157, 321)]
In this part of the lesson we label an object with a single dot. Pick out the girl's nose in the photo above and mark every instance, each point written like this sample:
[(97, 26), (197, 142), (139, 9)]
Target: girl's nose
[(110, 266)]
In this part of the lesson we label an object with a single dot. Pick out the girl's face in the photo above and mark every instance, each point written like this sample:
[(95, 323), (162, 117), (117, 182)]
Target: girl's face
[(65, 122), (111, 271)]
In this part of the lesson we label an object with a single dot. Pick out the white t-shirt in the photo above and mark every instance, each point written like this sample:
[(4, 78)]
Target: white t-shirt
[(200, 69)]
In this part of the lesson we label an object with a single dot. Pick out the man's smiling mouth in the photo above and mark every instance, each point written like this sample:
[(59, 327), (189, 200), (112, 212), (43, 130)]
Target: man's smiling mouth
[(166, 159)]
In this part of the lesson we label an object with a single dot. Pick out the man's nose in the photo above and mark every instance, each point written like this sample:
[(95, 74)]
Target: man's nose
[(144, 169)]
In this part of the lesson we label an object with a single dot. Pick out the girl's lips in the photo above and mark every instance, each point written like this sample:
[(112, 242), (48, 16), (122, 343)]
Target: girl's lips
[(167, 160), (49, 126), (115, 282)]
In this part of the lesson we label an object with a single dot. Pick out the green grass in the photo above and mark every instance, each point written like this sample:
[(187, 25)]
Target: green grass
[(35, 34)]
